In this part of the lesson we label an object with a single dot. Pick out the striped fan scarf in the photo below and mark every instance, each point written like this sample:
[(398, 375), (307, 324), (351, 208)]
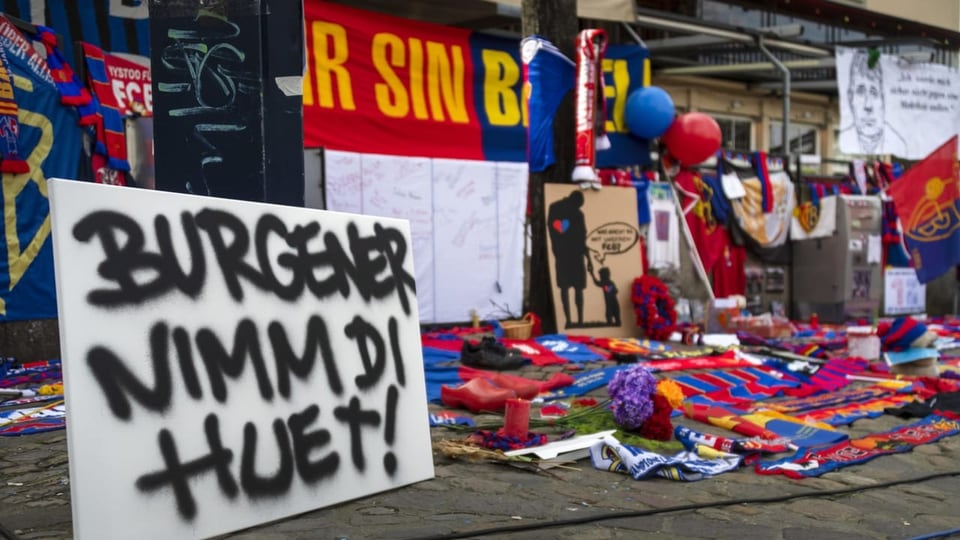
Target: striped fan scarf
[(71, 91), (9, 125), (111, 141), (763, 174)]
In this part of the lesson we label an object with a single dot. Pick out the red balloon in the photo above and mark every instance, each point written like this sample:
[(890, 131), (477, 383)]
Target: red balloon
[(693, 137)]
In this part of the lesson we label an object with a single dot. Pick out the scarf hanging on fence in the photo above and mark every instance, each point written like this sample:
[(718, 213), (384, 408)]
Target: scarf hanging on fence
[(72, 92), (110, 152), (10, 159)]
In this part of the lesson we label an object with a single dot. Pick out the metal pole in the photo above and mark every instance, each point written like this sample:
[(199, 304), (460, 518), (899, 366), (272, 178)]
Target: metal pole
[(786, 93)]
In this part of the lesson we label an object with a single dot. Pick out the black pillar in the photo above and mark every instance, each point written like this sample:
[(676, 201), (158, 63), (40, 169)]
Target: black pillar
[(228, 114), (555, 20)]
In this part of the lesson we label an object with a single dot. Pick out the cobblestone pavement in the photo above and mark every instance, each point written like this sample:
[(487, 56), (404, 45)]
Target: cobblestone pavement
[(469, 499)]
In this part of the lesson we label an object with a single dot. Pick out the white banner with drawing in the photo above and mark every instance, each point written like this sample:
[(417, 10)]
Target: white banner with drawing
[(230, 363), (891, 106)]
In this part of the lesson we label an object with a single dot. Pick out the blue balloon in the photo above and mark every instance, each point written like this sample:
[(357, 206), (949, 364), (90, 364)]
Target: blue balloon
[(649, 112)]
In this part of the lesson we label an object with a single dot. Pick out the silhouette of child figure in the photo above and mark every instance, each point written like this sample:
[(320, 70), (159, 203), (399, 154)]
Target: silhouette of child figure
[(610, 300)]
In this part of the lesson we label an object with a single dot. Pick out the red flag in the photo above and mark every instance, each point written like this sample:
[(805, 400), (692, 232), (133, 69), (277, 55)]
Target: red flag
[(927, 200)]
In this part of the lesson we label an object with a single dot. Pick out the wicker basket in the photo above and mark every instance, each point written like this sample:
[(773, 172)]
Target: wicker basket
[(518, 328)]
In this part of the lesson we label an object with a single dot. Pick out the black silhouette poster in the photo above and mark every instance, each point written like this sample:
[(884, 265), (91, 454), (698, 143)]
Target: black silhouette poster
[(595, 255)]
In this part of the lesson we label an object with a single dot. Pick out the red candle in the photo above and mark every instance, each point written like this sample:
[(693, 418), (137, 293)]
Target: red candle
[(516, 421)]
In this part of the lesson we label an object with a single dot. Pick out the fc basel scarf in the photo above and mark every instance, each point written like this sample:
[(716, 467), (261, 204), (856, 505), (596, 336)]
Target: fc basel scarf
[(9, 125), (611, 455), (814, 462), (110, 156)]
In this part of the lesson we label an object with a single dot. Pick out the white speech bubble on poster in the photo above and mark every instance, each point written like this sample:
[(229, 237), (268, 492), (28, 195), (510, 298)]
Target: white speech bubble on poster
[(214, 360)]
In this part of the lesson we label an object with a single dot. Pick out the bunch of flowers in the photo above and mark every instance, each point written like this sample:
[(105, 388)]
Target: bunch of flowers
[(631, 391), (643, 405), (670, 390), (654, 307)]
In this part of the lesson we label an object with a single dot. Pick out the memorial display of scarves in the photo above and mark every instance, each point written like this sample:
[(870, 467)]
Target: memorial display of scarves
[(10, 159), (734, 385), (32, 420), (829, 376), (844, 415), (836, 398), (815, 462), (110, 163)]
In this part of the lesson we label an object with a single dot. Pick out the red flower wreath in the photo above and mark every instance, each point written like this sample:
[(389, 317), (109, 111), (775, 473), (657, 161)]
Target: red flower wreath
[(654, 307)]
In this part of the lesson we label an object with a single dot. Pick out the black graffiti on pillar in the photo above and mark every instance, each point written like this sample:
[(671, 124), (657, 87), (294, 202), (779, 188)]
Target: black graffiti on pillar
[(208, 106)]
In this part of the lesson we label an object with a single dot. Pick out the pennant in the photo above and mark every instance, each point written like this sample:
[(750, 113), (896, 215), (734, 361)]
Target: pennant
[(928, 203)]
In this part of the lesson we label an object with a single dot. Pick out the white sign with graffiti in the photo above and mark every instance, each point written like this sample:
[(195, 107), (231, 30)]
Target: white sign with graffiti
[(230, 363)]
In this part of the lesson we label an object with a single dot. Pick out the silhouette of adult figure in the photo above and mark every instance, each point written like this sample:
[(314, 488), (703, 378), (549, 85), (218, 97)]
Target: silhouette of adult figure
[(568, 241), (870, 130)]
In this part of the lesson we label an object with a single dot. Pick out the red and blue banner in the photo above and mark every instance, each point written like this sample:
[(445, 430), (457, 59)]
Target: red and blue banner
[(385, 85), (27, 289), (927, 201)]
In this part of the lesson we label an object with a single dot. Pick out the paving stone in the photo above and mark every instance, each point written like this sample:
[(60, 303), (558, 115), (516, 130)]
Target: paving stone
[(794, 533), (822, 509), (698, 526)]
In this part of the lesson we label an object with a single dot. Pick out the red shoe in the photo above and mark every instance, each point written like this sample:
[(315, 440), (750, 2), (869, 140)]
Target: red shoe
[(476, 395), (525, 388)]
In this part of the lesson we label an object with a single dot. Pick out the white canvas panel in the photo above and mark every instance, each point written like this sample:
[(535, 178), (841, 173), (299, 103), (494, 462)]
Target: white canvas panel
[(230, 363)]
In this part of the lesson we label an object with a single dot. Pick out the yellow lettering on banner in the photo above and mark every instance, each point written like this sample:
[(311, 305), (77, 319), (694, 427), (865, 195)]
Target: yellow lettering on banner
[(500, 102), (616, 123), (387, 51), (416, 80), (6, 88), (329, 55), (445, 82)]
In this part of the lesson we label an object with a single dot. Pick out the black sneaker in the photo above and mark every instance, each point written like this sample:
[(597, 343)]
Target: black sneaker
[(489, 354)]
